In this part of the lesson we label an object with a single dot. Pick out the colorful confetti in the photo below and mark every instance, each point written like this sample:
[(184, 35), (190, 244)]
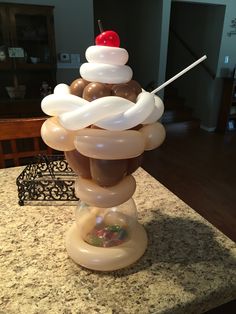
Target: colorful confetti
[(107, 236)]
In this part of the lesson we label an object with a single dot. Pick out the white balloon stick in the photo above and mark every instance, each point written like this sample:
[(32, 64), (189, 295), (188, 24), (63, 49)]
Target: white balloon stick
[(179, 74)]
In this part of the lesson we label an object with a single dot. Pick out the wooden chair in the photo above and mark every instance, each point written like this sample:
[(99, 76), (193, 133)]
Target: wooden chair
[(20, 141)]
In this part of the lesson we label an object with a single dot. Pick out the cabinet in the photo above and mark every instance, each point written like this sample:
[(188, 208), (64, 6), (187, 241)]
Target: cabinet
[(27, 57), (227, 113)]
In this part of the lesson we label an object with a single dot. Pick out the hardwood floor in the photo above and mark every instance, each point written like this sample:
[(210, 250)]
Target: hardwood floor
[(200, 168)]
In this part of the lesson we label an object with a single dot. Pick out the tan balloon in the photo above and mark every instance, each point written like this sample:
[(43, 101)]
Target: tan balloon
[(106, 259), (103, 144), (56, 137), (91, 193), (154, 135)]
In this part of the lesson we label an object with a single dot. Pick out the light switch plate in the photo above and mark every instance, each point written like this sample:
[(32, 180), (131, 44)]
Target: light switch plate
[(16, 52), (226, 60), (64, 57)]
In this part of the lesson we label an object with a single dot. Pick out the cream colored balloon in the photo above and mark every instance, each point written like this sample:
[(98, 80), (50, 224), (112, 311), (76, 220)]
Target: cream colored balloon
[(56, 137), (104, 144), (91, 193), (154, 135), (106, 259)]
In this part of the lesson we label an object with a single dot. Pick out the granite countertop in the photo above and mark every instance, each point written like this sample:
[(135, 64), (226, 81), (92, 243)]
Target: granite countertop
[(189, 266)]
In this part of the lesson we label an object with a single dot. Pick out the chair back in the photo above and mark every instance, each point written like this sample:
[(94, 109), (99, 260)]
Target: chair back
[(20, 141)]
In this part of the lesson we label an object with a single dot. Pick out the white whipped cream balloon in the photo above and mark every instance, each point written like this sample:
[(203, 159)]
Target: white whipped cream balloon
[(106, 73), (107, 55)]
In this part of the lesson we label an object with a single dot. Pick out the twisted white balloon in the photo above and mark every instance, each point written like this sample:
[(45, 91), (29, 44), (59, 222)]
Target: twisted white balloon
[(112, 113)]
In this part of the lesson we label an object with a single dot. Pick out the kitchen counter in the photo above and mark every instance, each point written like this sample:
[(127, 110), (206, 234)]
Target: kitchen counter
[(189, 266)]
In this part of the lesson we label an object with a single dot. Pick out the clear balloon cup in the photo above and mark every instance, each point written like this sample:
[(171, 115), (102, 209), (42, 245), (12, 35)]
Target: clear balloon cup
[(106, 239)]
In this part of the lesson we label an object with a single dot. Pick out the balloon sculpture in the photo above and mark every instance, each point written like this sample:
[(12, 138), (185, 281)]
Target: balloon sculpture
[(104, 122)]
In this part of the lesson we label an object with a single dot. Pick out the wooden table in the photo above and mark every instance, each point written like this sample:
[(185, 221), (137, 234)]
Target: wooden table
[(189, 266)]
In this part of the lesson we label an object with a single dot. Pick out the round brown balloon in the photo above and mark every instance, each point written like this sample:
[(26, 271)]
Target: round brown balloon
[(124, 91), (109, 85), (107, 172), (96, 90), (77, 87), (136, 87)]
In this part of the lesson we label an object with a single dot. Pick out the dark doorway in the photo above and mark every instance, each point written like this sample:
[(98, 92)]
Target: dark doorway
[(138, 24), (195, 30)]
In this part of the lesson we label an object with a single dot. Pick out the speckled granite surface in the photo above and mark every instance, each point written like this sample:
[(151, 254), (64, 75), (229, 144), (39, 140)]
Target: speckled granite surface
[(189, 266)]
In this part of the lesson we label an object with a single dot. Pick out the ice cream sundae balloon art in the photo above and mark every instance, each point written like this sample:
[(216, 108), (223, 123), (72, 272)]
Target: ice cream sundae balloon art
[(103, 122)]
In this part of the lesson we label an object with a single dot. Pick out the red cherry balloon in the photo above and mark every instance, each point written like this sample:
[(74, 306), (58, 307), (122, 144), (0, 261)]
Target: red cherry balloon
[(108, 38)]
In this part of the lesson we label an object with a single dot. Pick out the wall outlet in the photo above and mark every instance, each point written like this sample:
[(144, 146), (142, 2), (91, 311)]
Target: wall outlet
[(15, 52)]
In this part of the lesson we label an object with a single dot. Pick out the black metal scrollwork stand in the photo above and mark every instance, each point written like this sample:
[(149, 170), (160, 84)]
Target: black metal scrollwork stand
[(48, 179)]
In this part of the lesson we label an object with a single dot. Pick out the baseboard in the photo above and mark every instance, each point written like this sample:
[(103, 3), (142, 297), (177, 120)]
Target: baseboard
[(205, 128)]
